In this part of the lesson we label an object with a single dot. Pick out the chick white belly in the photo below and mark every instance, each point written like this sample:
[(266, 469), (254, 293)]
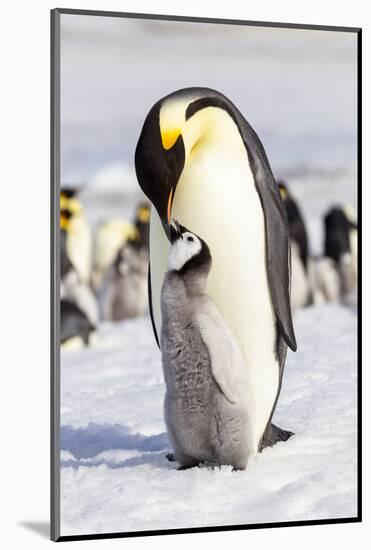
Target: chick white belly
[(218, 201)]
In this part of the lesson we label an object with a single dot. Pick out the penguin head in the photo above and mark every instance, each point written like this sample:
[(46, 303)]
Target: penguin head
[(65, 216), (188, 251), (69, 192), (159, 162), (336, 219), (174, 128), (69, 202), (143, 213)]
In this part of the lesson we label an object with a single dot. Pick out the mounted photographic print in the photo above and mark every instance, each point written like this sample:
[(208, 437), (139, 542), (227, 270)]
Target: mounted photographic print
[(205, 222)]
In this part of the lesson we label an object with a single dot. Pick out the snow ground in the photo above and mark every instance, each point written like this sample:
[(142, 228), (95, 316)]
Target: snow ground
[(115, 476)]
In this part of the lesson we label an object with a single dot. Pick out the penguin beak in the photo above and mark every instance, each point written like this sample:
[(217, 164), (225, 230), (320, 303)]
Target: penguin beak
[(166, 221), (169, 205), (174, 231), (172, 234)]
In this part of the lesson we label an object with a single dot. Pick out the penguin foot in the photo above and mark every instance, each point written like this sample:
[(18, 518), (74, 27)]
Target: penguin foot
[(273, 435), (170, 457), (209, 465), (187, 467), (237, 469)]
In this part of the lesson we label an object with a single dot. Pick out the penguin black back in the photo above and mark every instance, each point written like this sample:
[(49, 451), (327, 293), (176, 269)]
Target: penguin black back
[(297, 229)]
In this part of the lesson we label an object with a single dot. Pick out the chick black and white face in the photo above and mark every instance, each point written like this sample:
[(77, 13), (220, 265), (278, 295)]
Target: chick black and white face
[(184, 246)]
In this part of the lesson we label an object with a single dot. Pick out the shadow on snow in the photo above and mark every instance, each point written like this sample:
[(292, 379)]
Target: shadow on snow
[(89, 441)]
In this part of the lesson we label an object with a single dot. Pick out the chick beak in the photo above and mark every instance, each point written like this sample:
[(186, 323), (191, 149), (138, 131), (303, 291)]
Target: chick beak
[(174, 231)]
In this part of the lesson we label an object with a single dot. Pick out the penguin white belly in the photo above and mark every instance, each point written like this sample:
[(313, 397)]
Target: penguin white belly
[(299, 281), (353, 237), (216, 198), (79, 247)]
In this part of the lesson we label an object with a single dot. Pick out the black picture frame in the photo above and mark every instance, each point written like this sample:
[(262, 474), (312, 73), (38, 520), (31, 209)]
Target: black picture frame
[(55, 270)]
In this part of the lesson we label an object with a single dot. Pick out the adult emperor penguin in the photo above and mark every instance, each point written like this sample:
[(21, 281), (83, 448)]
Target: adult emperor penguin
[(73, 288), (199, 161), (341, 235), (78, 240), (202, 363)]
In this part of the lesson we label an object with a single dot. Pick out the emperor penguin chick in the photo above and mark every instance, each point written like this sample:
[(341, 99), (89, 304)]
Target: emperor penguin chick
[(207, 391)]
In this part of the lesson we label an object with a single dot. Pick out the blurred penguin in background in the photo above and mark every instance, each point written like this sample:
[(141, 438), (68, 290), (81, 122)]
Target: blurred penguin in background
[(76, 329), (142, 218), (301, 295), (110, 237), (127, 294), (66, 264), (298, 232), (78, 241), (341, 236), (126, 290), (300, 287), (74, 286), (324, 280)]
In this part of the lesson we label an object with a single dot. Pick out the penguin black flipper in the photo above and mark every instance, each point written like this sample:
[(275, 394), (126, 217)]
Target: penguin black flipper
[(277, 246), (278, 252), (273, 435), (151, 306)]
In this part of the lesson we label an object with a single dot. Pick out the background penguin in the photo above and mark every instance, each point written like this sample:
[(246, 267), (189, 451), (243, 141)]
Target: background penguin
[(72, 287), (353, 233), (142, 217), (66, 264), (202, 364), (324, 280), (301, 294), (298, 232), (76, 328), (110, 236), (341, 245), (337, 233), (199, 161), (78, 239), (77, 292), (300, 286), (125, 294)]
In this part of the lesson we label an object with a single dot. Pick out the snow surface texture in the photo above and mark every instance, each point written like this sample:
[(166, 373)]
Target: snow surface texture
[(115, 475)]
